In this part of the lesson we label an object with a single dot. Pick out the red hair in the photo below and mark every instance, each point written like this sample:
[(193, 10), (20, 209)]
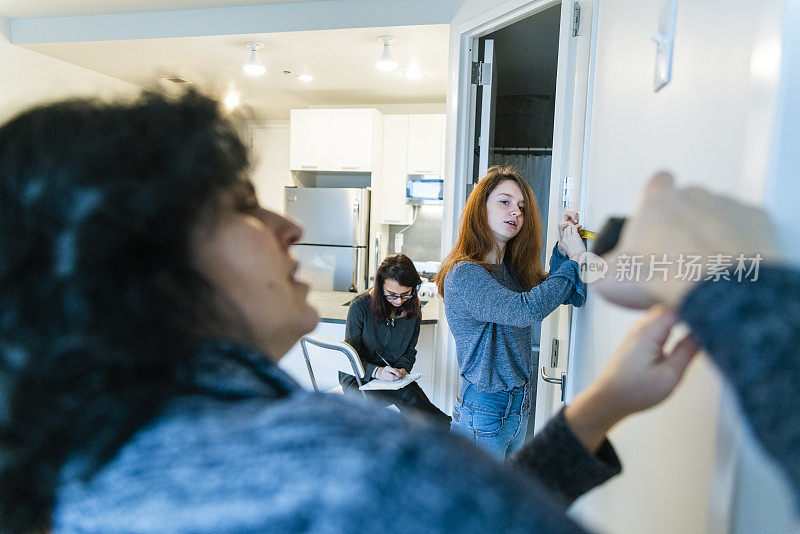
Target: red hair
[(476, 240)]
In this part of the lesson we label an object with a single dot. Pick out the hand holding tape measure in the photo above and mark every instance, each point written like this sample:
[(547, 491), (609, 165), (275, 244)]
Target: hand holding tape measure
[(678, 221)]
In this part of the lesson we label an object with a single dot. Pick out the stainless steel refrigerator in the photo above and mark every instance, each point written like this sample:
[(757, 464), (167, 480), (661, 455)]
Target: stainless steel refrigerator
[(333, 250)]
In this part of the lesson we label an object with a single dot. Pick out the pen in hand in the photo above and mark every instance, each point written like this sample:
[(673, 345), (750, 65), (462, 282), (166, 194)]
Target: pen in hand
[(392, 370)]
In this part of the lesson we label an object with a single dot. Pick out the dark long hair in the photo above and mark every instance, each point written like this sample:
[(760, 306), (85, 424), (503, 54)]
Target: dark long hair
[(475, 239), (400, 268), (99, 302)]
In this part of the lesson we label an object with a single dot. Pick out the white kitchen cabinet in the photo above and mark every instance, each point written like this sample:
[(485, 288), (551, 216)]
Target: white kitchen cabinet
[(310, 139), (426, 144), (394, 209), (352, 135), (334, 139)]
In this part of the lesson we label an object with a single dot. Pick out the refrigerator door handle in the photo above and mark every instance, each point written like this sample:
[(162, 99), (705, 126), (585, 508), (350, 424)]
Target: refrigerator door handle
[(356, 220), (354, 276), (377, 253)]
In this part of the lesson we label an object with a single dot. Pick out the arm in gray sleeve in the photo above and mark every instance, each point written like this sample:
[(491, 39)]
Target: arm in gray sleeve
[(486, 300), (562, 464), (577, 297), (353, 335), (751, 330)]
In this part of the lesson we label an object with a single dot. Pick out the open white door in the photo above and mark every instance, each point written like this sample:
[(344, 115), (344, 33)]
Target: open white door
[(473, 124), (570, 132)]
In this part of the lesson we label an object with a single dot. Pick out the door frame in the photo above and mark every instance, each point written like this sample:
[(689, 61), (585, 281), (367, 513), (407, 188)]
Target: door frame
[(461, 102)]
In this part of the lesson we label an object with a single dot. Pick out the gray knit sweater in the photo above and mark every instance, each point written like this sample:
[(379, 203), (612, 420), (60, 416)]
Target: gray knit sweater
[(751, 329), (252, 452), (491, 318), (395, 341)]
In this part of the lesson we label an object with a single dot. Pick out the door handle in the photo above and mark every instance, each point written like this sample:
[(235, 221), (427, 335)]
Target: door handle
[(354, 275), (553, 380), (377, 252)]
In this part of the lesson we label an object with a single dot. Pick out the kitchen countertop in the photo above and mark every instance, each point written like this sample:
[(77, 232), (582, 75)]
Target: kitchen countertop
[(330, 305)]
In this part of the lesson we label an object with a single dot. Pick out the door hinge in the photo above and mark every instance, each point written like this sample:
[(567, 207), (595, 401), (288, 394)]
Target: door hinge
[(481, 73), (576, 19)]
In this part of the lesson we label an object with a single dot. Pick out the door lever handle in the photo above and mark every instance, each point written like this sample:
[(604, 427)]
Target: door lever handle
[(553, 380)]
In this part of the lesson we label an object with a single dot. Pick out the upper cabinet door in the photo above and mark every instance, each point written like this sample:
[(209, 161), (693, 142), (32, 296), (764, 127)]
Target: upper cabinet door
[(310, 139), (351, 139), (425, 134), (394, 209)]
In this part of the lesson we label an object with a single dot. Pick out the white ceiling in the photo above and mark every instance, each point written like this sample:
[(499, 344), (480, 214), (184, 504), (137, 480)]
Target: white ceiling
[(69, 8), (342, 62)]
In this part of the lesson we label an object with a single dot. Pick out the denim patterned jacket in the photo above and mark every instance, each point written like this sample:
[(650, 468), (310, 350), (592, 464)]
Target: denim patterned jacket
[(253, 452)]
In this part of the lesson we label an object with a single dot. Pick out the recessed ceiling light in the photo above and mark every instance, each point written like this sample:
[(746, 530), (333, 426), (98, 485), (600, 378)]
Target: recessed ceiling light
[(254, 67), (232, 99), (305, 78), (413, 72)]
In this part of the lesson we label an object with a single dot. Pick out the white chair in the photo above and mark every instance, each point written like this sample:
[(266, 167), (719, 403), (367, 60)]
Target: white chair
[(339, 356)]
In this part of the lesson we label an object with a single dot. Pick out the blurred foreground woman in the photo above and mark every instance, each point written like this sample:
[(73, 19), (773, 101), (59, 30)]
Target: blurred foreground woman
[(145, 299)]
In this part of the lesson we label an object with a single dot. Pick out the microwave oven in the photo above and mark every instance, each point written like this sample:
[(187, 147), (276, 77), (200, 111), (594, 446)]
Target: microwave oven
[(424, 189)]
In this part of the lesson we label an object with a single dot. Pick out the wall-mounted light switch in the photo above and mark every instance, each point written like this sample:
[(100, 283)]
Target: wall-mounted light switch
[(665, 39)]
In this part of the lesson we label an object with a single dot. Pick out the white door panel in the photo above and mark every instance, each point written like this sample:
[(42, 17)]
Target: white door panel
[(488, 99), (569, 133)]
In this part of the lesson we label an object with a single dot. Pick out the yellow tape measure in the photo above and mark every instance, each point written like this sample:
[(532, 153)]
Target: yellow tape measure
[(587, 234)]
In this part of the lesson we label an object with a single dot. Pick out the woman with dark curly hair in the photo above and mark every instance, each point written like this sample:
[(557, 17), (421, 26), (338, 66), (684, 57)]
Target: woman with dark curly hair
[(383, 327), (145, 298)]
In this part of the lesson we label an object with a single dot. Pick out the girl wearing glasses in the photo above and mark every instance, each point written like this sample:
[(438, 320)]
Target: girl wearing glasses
[(383, 327), (495, 290)]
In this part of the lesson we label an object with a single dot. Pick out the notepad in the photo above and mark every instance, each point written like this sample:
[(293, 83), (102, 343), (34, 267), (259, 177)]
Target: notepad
[(391, 384)]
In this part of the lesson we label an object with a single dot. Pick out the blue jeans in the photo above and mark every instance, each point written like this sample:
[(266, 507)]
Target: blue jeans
[(497, 422)]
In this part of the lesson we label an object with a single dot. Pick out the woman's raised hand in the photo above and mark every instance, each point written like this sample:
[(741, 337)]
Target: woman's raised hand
[(638, 376), (569, 241), (571, 217), (673, 225)]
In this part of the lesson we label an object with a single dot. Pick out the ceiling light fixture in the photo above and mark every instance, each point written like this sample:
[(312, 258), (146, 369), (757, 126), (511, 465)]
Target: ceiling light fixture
[(305, 78), (254, 67), (232, 99), (177, 80), (386, 62)]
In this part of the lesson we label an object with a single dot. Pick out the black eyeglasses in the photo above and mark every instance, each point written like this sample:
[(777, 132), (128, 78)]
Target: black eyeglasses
[(395, 297)]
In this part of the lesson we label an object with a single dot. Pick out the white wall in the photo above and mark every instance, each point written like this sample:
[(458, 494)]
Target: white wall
[(712, 126), (29, 77), (783, 192), (763, 496)]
